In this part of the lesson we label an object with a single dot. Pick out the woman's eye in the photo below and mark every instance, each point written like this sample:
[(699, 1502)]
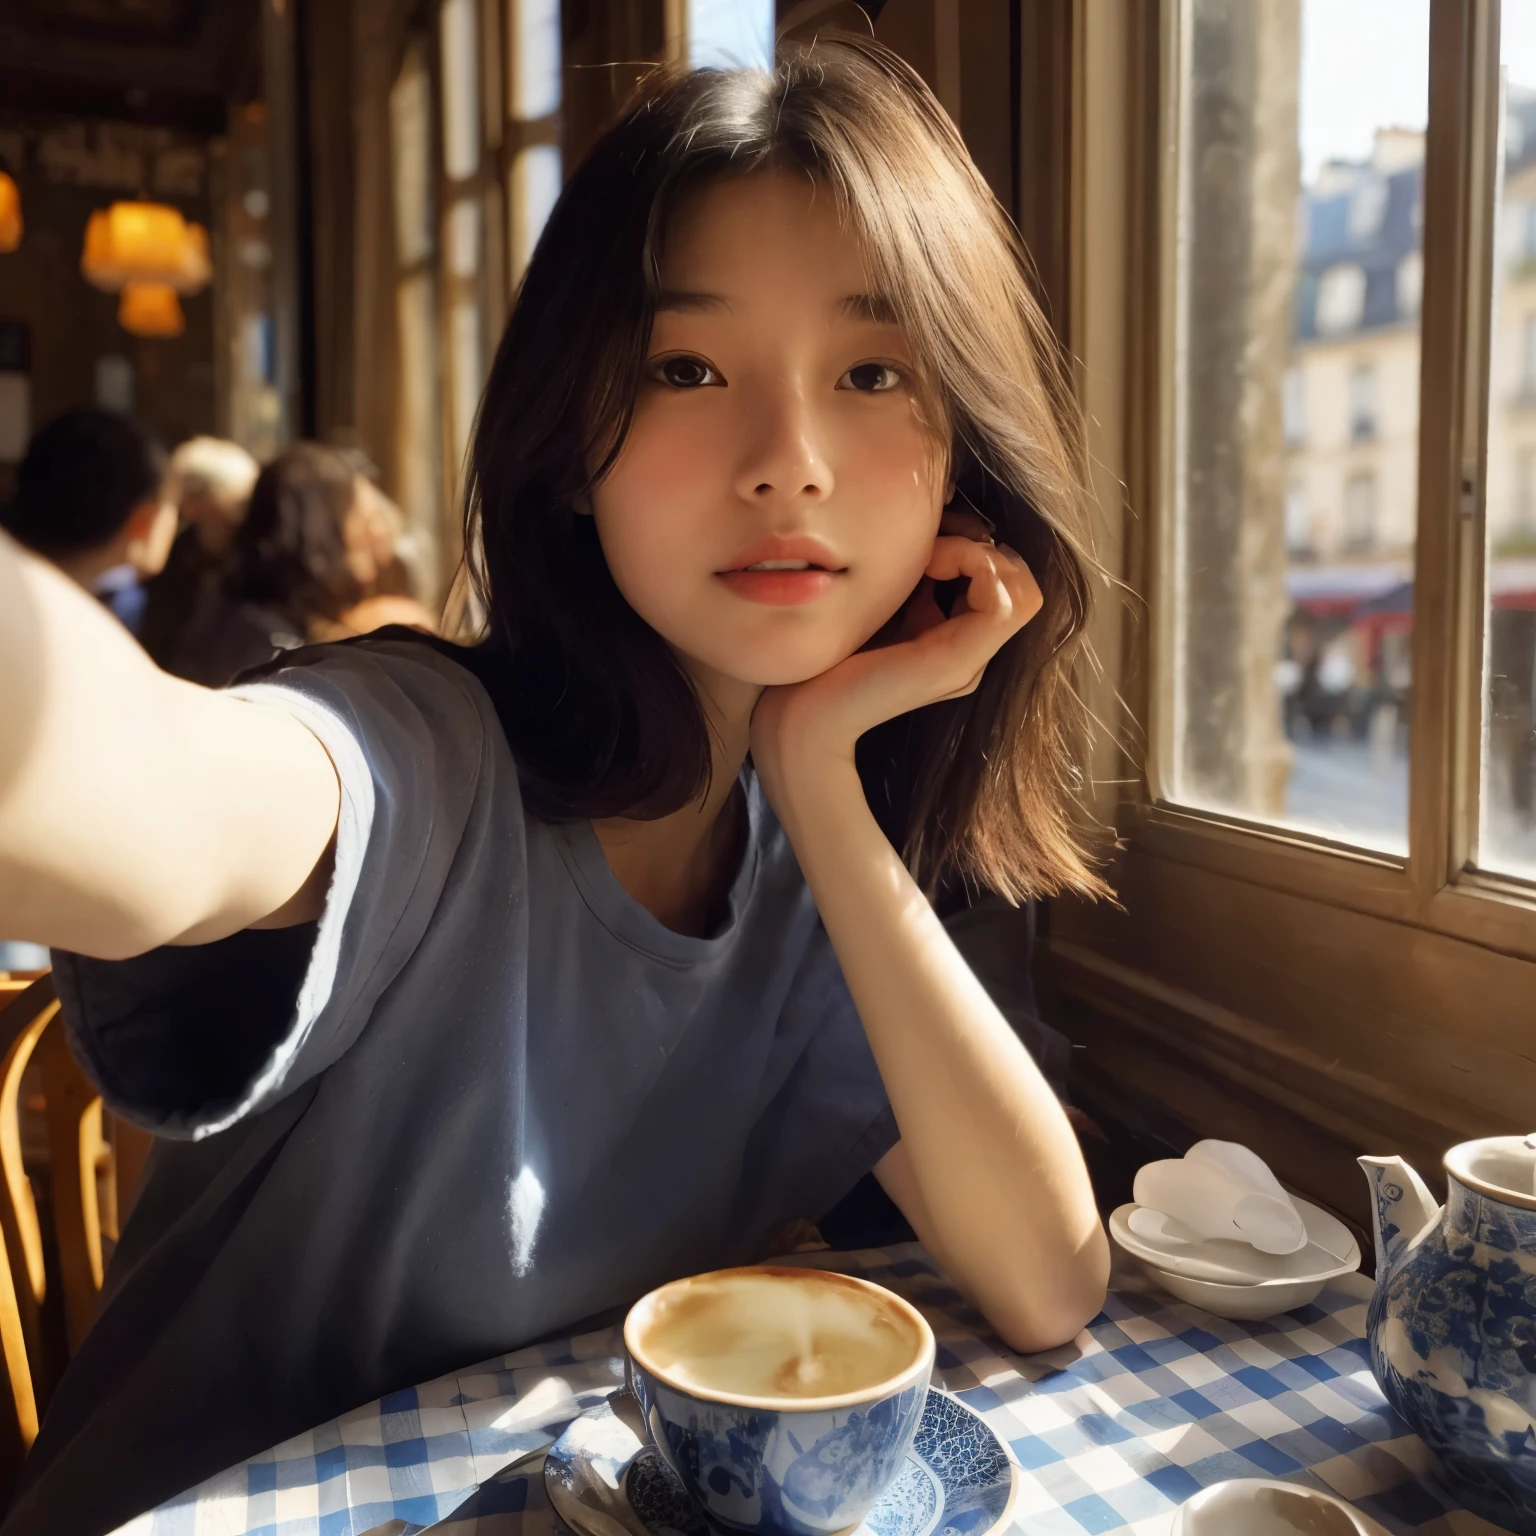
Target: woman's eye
[(686, 372), (870, 378)]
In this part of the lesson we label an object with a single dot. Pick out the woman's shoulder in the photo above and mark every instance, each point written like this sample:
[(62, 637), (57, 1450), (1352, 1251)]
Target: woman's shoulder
[(403, 696), (408, 661)]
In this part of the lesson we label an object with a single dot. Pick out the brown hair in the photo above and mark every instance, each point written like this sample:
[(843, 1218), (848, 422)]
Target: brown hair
[(290, 554), (600, 715)]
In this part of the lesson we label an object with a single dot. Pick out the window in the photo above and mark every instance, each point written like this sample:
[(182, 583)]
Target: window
[(1327, 865), (537, 173), (1367, 208), (1359, 530), (417, 446), (459, 44), (1340, 299), (1506, 832), (1362, 403), (1410, 285), (1298, 521), (727, 32), (461, 97), (1520, 526), (1293, 407), (1261, 577)]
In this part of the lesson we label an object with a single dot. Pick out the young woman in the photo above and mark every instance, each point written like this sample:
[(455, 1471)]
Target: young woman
[(486, 988)]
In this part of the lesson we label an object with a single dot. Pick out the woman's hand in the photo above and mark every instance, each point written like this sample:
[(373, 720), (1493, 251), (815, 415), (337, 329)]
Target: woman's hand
[(927, 657), (987, 1170)]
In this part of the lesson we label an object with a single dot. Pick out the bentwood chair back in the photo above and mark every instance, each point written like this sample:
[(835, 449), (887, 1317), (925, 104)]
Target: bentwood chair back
[(26, 1008), (87, 1183)]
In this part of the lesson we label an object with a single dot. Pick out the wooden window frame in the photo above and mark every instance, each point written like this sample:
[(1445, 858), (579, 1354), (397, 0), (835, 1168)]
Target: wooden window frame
[(1364, 1000)]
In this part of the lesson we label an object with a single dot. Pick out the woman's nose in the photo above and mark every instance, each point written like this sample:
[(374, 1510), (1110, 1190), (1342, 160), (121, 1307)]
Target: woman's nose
[(784, 457)]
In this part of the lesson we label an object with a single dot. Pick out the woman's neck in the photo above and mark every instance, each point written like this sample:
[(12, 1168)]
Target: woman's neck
[(680, 867)]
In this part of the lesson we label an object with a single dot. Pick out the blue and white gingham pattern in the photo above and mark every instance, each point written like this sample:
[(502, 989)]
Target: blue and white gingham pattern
[(1155, 1400)]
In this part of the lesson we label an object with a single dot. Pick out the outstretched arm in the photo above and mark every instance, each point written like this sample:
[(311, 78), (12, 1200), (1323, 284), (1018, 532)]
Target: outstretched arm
[(137, 809), (988, 1169)]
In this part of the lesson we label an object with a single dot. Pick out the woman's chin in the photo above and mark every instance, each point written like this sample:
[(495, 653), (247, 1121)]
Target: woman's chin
[(773, 663), (782, 671)]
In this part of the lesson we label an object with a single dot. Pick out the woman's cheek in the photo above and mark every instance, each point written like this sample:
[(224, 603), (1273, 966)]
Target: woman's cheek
[(642, 563)]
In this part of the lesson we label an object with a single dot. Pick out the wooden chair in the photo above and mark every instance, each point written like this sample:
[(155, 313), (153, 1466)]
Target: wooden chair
[(89, 1179), (25, 1010)]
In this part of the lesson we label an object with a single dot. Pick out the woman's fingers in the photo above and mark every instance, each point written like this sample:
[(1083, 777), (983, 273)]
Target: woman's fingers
[(925, 657), (1001, 584), (966, 525)]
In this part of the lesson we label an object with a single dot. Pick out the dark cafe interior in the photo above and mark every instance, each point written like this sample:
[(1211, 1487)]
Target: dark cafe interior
[(767, 767)]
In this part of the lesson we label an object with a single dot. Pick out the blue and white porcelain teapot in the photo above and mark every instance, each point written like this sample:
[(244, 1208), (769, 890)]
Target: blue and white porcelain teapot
[(1452, 1325)]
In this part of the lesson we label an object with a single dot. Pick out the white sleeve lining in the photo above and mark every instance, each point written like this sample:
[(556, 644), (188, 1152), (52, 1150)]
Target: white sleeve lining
[(354, 823)]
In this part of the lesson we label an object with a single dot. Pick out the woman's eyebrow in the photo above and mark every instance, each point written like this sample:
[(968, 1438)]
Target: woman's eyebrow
[(869, 306), (689, 301)]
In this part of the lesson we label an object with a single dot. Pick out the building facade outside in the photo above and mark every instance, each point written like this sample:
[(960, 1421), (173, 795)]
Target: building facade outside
[(1351, 420)]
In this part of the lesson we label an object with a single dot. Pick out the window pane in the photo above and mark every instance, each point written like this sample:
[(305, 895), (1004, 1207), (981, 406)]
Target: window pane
[(466, 374), (418, 469), (461, 96), (410, 145), (729, 33), (533, 44), (534, 180), (1299, 281), (535, 190), (1507, 840)]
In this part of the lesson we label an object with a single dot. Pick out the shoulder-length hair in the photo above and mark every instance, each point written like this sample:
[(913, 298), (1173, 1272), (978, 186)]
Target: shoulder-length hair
[(290, 554), (599, 713)]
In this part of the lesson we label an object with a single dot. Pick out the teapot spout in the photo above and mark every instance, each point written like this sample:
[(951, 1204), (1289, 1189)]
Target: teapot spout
[(1402, 1208)]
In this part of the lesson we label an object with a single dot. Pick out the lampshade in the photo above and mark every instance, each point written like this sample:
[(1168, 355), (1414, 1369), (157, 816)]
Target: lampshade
[(144, 242), (150, 309), (10, 214)]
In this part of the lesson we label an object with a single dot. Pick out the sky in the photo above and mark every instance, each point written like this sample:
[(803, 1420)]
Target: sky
[(730, 31), (1365, 64)]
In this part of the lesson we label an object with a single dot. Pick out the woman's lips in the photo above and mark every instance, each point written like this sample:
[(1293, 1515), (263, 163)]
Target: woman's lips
[(780, 589)]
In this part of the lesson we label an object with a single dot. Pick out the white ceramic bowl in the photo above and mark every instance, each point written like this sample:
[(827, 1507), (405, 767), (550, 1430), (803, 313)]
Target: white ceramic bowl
[(1245, 1303), (1255, 1506), (1330, 1250)]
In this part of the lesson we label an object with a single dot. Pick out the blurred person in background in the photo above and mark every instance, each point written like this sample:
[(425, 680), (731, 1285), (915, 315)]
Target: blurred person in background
[(408, 552), (210, 482), (314, 559), (91, 498)]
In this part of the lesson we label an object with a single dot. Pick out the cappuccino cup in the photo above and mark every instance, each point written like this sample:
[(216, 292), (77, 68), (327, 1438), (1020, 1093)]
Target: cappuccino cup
[(784, 1399)]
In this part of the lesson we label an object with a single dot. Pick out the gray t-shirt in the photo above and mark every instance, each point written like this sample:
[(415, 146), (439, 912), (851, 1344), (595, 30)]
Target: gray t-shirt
[(486, 1097)]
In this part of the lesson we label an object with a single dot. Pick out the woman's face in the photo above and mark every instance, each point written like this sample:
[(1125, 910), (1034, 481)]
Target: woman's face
[(778, 494)]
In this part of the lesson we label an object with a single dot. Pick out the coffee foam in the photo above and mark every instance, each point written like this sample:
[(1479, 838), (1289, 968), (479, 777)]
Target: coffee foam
[(777, 1334)]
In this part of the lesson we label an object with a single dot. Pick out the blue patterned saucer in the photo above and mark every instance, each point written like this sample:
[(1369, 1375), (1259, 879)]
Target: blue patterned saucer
[(959, 1479)]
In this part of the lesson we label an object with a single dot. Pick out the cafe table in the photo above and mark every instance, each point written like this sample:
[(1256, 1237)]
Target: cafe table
[(1153, 1401)]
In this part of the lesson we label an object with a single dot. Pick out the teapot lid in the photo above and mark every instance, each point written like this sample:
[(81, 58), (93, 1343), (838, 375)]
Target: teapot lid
[(1501, 1167)]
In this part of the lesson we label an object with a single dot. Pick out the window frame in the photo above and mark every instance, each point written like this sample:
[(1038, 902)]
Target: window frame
[(1437, 884), (1241, 952)]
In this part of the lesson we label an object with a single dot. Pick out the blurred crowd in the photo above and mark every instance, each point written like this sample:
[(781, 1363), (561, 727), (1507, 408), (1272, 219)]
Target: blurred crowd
[(213, 562)]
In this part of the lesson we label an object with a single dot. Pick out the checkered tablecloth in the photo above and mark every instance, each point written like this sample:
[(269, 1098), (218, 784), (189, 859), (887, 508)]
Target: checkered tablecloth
[(1153, 1401)]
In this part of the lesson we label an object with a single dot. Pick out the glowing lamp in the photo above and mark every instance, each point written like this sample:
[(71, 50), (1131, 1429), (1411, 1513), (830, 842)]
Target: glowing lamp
[(10, 214), (150, 309), (143, 242)]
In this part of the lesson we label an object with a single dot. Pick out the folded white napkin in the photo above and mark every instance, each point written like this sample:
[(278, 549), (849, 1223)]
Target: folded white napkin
[(1221, 1189)]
